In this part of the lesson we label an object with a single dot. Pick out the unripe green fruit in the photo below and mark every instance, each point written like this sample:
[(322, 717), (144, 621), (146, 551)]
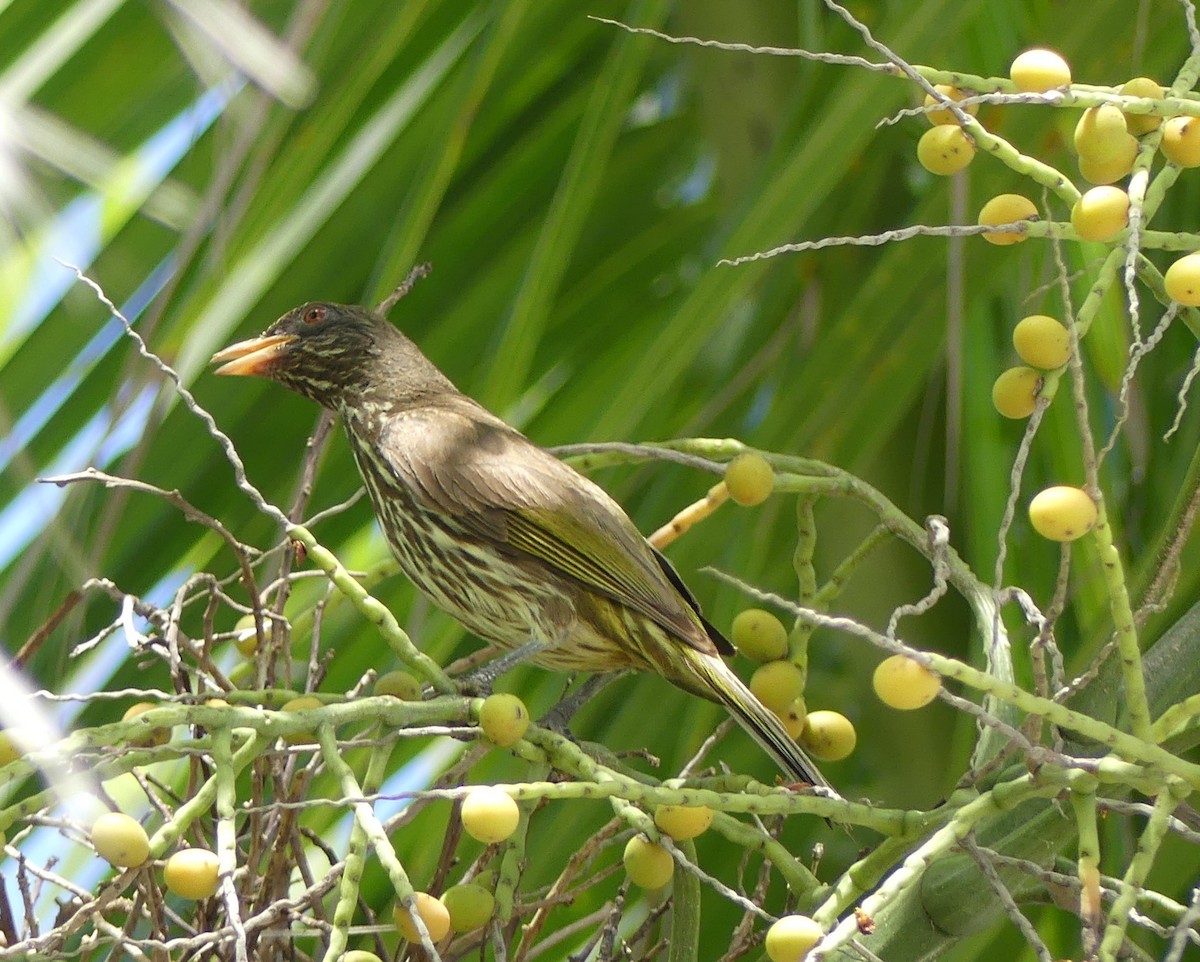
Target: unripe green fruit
[(1062, 513), (1101, 133), (470, 906), (1042, 342), (302, 703), (399, 684), (682, 822), (1006, 209), (942, 115), (648, 864), (750, 479), (1101, 213), (945, 150), (1014, 393), (1181, 141), (1113, 168), (759, 635), (489, 815), (153, 737), (192, 873), (777, 684), (829, 735), (790, 938), (433, 913), (1182, 280), (504, 719), (246, 636), (120, 840), (1039, 70), (1140, 124), (904, 683)]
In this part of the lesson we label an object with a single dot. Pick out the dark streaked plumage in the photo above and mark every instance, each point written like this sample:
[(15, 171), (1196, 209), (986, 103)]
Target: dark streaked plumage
[(495, 530)]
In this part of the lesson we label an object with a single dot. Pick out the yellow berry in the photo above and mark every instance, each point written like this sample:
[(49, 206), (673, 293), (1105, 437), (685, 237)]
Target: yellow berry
[(151, 737), (1181, 141), (433, 913), (1062, 513), (245, 636), (11, 747), (759, 635), (120, 840), (777, 684), (192, 873), (793, 717), (1100, 133), (945, 150), (682, 822), (504, 719), (1182, 280), (647, 863), (941, 115), (470, 905), (1039, 70), (1014, 393), (1101, 213), (1140, 124), (750, 479), (904, 683), (1006, 209), (1042, 342), (489, 815), (399, 684), (828, 735), (1111, 169), (360, 955), (789, 939), (303, 703)]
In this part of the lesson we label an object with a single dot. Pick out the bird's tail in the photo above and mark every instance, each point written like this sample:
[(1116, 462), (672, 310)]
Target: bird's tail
[(721, 683)]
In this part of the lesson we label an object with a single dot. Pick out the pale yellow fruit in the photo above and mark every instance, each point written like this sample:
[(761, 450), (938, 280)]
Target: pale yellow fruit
[(152, 737), (10, 747), (120, 840), (192, 873), (302, 703), (777, 684), (1014, 393), (470, 905), (398, 684), (360, 955), (829, 735), (504, 719), (790, 938), (1006, 209), (1112, 169), (1042, 342), (1039, 70), (1101, 214), (1100, 133), (1181, 141), (793, 717), (945, 150), (433, 913), (759, 635), (246, 636), (1140, 124), (1182, 280), (903, 683), (941, 115), (682, 822), (750, 479), (489, 815), (647, 863), (1062, 513)]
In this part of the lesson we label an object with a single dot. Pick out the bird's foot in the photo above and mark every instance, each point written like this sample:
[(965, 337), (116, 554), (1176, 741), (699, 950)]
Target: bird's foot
[(479, 682), (559, 717)]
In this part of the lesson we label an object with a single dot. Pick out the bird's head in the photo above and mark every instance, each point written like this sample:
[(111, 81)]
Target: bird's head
[(338, 355)]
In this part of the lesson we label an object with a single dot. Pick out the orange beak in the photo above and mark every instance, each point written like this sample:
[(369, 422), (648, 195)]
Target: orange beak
[(257, 356)]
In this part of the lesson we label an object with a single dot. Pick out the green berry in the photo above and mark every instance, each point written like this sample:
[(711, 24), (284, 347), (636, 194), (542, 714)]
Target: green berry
[(470, 905), (829, 735), (750, 479), (777, 684), (504, 719), (399, 684), (759, 635), (790, 938), (647, 863)]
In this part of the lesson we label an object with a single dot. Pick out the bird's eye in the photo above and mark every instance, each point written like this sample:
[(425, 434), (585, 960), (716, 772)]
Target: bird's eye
[(314, 315)]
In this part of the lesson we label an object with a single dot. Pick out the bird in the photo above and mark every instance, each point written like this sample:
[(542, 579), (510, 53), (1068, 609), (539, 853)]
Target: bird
[(512, 542)]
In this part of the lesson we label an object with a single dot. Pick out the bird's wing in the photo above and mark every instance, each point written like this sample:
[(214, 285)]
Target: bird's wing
[(459, 459)]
